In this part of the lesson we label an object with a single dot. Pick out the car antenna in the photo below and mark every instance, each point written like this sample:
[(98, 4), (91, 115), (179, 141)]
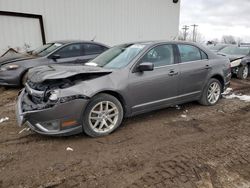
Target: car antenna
[(93, 38)]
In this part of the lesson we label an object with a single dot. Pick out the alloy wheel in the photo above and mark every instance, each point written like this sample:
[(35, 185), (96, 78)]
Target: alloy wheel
[(103, 116), (213, 93), (245, 72)]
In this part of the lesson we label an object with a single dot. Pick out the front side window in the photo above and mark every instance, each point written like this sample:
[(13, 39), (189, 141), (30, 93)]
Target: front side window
[(46, 49), (189, 53), (160, 56), (72, 50), (118, 56)]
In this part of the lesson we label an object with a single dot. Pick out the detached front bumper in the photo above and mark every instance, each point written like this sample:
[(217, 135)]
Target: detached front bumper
[(63, 119)]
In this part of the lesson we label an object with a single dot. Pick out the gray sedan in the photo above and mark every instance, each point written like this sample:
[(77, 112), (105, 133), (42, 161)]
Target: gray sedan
[(124, 81), (13, 70)]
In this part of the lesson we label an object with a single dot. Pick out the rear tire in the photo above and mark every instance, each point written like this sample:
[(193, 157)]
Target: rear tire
[(211, 93), (102, 116), (243, 72)]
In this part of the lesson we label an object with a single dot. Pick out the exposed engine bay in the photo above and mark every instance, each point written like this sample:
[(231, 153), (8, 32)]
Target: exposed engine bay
[(37, 94)]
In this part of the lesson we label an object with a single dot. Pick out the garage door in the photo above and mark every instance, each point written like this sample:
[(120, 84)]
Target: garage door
[(19, 33)]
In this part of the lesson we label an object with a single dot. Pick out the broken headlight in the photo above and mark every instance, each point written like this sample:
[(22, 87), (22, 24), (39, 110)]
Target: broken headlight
[(235, 63), (54, 95)]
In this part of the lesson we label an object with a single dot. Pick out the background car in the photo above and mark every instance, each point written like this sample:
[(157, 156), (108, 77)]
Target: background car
[(217, 47), (13, 70), (239, 58), (124, 81)]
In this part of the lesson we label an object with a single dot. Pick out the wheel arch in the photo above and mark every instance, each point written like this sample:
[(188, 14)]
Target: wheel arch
[(25, 71), (220, 79), (118, 96)]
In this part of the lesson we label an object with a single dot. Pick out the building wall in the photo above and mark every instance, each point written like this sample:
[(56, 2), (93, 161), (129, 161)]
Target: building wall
[(109, 21)]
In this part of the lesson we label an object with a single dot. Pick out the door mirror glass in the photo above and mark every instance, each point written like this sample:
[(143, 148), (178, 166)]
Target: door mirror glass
[(146, 66), (55, 56)]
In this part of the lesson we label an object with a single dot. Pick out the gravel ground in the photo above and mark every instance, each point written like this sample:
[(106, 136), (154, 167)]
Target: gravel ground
[(186, 146)]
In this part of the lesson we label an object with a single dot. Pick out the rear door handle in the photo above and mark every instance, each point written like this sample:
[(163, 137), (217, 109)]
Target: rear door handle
[(172, 73)]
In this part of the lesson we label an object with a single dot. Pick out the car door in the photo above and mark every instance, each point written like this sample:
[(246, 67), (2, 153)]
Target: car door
[(194, 70), (155, 89)]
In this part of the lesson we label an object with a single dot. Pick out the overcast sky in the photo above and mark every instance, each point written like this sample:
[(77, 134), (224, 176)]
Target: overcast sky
[(217, 17)]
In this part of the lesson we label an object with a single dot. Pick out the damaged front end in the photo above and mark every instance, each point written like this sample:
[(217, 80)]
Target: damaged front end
[(46, 112), (53, 101)]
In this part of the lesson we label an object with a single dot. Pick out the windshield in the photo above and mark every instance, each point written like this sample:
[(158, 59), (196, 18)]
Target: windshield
[(118, 56), (46, 49), (216, 47), (233, 50)]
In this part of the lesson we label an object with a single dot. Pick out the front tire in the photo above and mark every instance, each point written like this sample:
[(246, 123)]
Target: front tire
[(243, 72), (211, 93), (102, 116)]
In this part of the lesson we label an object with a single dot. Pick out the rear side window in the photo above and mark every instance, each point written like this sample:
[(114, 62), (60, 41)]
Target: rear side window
[(92, 49), (72, 50), (189, 53)]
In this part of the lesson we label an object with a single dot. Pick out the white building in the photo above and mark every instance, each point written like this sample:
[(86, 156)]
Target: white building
[(108, 21)]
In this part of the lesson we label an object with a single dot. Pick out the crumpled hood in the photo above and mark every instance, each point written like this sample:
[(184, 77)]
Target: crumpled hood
[(232, 57), (15, 58), (55, 72)]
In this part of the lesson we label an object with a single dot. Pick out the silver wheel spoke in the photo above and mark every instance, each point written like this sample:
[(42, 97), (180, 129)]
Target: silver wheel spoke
[(107, 106), (96, 123), (101, 106), (102, 125), (95, 112), (110, 120), (112, 115)]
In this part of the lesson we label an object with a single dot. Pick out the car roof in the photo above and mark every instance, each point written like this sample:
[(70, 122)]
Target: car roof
[(77, 41), (152, 42)]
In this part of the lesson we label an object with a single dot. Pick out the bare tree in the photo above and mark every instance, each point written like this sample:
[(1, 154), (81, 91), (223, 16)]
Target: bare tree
[(228, 39)]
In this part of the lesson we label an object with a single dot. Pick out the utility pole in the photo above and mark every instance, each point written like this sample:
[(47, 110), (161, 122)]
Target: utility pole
[(194, 32), (185, 28)]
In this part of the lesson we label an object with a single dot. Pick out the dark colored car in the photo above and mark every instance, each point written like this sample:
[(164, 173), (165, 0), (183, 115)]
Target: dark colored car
[(124, 81), (239, 58), (13, 70)]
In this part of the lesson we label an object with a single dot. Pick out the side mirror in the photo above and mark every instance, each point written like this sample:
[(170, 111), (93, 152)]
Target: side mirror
[(146, 66), (55, 56)]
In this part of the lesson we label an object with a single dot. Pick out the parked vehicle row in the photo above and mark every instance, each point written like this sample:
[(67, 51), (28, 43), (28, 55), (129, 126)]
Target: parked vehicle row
[(124, 81), (239, 58)]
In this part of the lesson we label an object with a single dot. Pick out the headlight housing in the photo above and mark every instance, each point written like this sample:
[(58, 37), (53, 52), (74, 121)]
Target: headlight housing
[(235, 63), (9, 67), (54, 95)]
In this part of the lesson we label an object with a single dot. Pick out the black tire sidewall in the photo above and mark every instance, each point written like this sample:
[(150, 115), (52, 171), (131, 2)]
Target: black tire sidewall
[(96, 99), (240, 72)]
